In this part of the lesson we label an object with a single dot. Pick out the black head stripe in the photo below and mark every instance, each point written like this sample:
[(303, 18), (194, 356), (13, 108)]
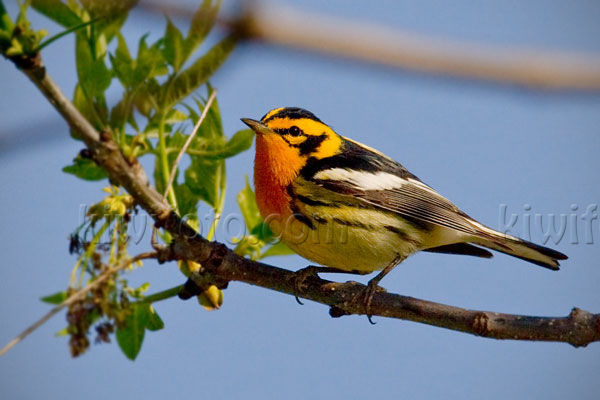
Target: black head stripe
[(291, 113), (311, 144), (308, 146), (355, 157)]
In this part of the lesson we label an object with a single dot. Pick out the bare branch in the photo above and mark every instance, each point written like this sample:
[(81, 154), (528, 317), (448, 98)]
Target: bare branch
[(75, 297), (579, 328), (290, 27), (127, 173), (220, 264)]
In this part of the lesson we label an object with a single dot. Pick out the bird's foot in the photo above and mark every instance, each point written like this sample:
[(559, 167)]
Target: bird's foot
[(367, 297), (301, 276)]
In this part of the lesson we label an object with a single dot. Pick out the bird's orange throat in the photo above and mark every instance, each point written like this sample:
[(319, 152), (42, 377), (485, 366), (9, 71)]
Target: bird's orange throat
[(276, 165)]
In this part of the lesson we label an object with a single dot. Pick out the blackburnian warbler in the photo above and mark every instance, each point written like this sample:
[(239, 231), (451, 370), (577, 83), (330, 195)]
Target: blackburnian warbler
[(350, 208)]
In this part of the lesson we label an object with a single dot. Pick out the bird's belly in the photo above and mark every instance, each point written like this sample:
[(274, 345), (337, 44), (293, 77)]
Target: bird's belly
[(354, 245)]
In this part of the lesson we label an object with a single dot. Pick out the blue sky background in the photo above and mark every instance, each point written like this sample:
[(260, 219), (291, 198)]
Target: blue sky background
[(480, 145)]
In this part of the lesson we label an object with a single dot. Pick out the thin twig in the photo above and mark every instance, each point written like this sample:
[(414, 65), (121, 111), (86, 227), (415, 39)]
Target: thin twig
[(162, 295), (189, 140), (75, 297)]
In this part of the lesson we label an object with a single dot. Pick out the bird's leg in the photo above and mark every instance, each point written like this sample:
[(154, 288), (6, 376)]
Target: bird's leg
[(313, 270), (372, 286)]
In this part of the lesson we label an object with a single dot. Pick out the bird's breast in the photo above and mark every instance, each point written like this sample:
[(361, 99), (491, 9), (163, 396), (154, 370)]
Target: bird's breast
[(271, 197), (275, 167)]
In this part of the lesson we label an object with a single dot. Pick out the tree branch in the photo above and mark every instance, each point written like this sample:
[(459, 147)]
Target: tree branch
[(221, 264), (292, 28), (579, 328), (105, 152)]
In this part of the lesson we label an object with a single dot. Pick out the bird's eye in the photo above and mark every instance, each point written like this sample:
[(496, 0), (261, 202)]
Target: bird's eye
[(294, 131)]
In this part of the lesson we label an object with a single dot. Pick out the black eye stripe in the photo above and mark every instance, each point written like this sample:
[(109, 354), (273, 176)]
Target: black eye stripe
[(292, 131), (311, 144)]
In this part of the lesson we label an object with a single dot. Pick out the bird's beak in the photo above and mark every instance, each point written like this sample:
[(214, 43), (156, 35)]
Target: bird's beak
[(257, 126)]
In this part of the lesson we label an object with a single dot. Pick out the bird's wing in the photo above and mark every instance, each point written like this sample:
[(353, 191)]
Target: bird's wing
[(408, 199), (374, 179)]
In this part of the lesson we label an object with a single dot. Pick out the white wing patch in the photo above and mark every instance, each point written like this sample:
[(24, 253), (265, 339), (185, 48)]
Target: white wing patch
[(363, 180)]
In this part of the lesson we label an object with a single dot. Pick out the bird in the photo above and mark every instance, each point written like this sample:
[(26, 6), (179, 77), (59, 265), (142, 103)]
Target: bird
[(352, 209)]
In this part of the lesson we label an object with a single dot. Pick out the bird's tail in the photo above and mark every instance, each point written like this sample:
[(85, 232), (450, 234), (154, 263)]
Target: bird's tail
[(511, 245)]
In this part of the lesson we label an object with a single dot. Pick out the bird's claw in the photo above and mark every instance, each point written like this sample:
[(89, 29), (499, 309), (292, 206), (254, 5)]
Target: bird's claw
[(368, 293), (300, 277)]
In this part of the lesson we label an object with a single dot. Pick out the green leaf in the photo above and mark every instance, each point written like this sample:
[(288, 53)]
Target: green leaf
[(123, 64), (134, 73), (55, 298), (122, 50), (203, 178), (123, 68), (155, 323), (263, 232), (138, 76), (87, 108), (210, 136), (57, 11), (175, 116), (212, 126), (112, 15), (94, 76), (121, 113), (197, 74), (249, 245), (131, 335), (145, 97), (202, 22), (6, 24), (150, 62), (186, 200), (240, 141), (83, 105), (218, 149), (108, 8), (247, 203), (278, 249), (173, 46), (84, 168), (176, 141)]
